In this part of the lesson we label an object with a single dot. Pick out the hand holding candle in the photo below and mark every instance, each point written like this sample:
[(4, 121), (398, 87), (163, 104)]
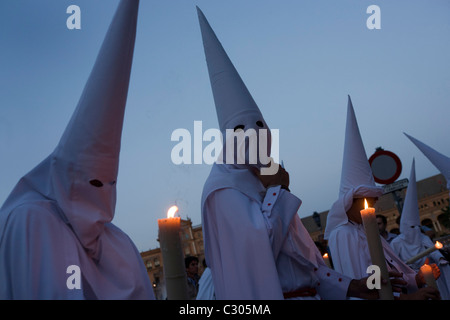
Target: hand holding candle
[(376, 249), (428, 275)]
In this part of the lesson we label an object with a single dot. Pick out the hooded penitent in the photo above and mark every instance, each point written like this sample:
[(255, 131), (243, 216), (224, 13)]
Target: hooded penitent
[(441, 162), (239, 215), (409, 242), (410, 218), (356, 177), (78, 179)]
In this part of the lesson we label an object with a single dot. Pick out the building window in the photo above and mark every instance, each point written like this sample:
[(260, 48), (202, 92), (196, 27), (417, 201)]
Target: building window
[(149, 264), (157, 262)]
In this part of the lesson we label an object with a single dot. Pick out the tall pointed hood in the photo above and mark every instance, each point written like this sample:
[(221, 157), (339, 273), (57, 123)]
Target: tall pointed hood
[(356, 177), (410, 218), (441, 162), (235, 106), (81, 172), (95, 129)]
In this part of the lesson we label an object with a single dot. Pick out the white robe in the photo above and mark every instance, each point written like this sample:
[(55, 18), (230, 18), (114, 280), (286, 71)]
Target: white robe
[(406, 251), (255, 243), (350, 254)]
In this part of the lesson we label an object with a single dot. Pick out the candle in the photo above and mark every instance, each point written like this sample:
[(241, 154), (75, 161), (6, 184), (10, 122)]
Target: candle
[(376, 249), (327, 260), (428, 276), (172, 253), (437, 246)]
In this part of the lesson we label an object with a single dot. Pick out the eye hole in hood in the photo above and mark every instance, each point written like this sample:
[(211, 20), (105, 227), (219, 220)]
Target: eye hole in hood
[(260, 124), (96, 183)]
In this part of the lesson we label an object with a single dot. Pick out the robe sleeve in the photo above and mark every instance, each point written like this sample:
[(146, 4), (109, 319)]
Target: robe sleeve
[(238, 248), (34, 251)]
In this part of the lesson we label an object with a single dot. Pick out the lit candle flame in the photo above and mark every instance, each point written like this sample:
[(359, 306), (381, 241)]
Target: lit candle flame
[(171, 212), (325, 255), (438, 245), (365, 204)]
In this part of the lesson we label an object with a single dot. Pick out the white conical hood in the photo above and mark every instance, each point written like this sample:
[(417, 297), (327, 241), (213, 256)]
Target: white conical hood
[(95, 128), (356, 176), (410, 218), (235, 107), (441, 162), (80, 174), (356, 169)]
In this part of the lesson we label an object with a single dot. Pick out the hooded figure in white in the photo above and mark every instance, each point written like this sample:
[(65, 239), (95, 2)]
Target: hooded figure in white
[(56, 236), (346, 238), (441, 162), (255, 243), (412, 241)]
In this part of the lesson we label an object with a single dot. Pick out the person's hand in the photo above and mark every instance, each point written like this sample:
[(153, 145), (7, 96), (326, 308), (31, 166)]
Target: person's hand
[(397, 281), (427, 293), (359, 289), (281, 178)]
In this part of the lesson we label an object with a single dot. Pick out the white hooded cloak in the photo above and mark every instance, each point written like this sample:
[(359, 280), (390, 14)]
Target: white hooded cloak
[(58, 216), (346, 239), (412, 241), (255, 243)]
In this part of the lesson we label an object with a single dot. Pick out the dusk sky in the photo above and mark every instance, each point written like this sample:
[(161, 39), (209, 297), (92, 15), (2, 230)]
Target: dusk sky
[(299, 59)]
